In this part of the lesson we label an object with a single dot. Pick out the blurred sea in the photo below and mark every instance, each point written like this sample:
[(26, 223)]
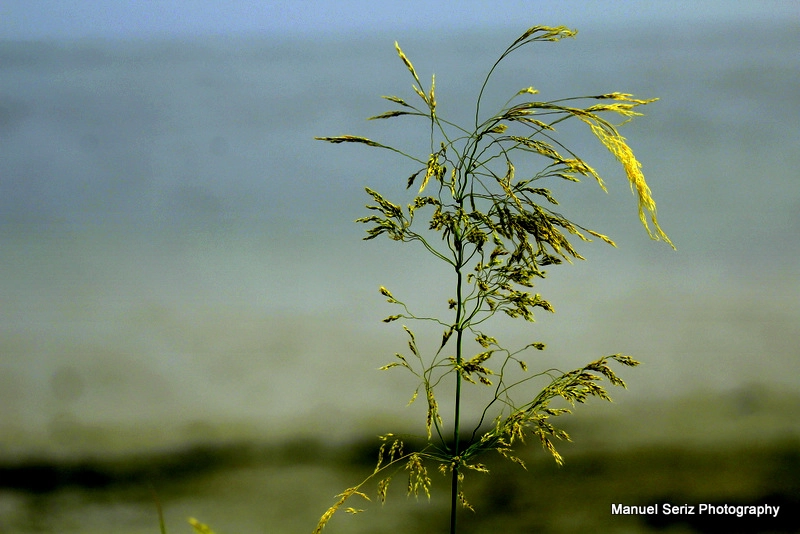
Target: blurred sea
[(180, 263)]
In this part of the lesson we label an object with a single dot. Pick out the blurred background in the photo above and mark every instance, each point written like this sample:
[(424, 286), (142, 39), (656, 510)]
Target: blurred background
[(187, 306)]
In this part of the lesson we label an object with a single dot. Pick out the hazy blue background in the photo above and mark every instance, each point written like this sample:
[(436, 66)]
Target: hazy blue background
[(178, 255), (68, 19)]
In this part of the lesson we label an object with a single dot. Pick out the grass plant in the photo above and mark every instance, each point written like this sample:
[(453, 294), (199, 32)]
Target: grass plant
[(496, 234)]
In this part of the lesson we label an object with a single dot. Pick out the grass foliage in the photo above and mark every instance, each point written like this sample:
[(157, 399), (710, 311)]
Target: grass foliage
[(496, 234)]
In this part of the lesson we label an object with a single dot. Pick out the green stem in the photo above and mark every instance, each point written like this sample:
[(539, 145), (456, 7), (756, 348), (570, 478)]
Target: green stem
[(457, 242), (456, 445)]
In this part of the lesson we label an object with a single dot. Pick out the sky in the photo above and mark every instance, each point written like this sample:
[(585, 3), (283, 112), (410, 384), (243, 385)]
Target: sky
[(80, 19)]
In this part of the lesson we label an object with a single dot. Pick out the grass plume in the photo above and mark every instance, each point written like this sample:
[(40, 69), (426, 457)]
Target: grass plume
[(496, 233)]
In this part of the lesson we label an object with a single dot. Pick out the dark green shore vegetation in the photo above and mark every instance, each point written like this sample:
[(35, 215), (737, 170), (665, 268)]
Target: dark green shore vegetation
[(579, 493)]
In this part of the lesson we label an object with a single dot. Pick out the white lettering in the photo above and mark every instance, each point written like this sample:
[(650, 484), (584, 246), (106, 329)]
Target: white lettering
[(739, 511), (704, 508), (617, 509), (683, 509)]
